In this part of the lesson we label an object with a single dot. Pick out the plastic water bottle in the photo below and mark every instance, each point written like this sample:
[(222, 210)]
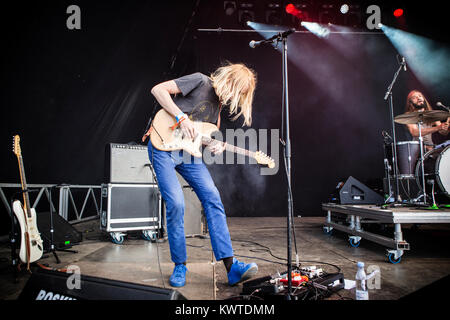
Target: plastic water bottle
[(361, 283)]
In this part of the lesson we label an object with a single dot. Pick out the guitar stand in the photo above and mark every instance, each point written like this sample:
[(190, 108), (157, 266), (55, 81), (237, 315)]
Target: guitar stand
[(13, 236)]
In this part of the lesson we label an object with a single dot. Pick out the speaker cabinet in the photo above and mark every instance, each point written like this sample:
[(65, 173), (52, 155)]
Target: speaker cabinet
[(355, 192), (64, 235), (54, 285), (127, 163)]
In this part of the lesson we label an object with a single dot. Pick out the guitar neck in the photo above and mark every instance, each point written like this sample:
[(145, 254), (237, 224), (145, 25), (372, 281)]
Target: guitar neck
[(231, 148), (23, 180), (238, 150)]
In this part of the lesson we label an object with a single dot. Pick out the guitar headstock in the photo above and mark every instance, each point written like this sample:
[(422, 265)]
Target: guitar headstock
[(16, 145), (263, 158)]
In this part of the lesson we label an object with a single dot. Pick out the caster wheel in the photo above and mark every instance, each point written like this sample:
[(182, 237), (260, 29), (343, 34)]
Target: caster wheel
[(117, 238), (149, 235), (392, 259), (354, 243), (327, 231)]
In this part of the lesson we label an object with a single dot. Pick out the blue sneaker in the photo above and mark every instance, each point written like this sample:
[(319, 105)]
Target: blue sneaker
[(178, 277), (241, 271)]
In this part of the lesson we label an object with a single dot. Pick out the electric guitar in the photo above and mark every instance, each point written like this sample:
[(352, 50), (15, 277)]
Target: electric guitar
[(31, 247), (166, 136)]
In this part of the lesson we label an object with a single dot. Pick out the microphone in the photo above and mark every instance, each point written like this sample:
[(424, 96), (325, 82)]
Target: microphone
[(404, 63), (439, 104), (253, 44)]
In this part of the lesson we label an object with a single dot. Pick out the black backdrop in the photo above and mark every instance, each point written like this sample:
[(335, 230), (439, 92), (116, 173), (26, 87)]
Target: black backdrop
[(70, 92)]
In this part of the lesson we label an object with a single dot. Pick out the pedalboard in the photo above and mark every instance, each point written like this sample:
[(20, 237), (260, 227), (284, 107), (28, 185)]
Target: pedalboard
[(304, 281)]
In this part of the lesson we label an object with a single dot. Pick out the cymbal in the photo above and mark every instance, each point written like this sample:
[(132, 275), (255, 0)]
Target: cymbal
[(427, 116)]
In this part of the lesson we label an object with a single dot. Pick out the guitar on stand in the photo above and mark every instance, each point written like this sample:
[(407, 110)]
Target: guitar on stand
[(31, 246)]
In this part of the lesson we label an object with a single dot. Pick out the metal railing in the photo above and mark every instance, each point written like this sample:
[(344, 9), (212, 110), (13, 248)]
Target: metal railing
[(66, 199)]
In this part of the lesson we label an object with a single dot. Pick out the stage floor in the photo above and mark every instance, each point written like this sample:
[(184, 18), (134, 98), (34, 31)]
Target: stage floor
[(136, 260)]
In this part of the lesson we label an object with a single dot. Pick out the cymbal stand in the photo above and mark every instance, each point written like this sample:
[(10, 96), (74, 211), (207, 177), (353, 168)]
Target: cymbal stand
[(394, 137), (420, 123)]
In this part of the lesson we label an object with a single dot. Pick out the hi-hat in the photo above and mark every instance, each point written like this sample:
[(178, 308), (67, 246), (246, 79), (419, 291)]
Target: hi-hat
[(427, 116)]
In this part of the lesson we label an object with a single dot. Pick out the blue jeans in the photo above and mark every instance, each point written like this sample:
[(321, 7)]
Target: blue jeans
[(194, 171)]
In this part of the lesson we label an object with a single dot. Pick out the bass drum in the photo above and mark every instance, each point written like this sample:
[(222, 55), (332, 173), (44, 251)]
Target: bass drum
[(437, 172)]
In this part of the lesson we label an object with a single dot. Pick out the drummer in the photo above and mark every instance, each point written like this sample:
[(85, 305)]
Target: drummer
[(416, 101)]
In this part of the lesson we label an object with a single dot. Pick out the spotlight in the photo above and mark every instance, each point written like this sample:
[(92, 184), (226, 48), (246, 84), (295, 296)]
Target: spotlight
[(291, 9), (319, 30), (326, 15), (245, 16), (398, 13), (273, 14), (229, 7), (344, 8), (353, 17), (246, 12)]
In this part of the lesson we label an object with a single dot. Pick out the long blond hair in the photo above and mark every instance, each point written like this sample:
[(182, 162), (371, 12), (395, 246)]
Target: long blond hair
[(235, 86)]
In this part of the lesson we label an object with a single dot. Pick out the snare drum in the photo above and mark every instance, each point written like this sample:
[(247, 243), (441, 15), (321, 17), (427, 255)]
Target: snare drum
[(407, 154), (436, 165)]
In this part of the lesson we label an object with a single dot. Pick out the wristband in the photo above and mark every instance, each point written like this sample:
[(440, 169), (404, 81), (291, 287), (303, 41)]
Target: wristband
[(180, 116)]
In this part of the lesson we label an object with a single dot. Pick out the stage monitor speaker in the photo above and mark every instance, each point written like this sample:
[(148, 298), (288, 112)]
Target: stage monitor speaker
[(54, 285), (64, 235), (355, 192), (127, 163)]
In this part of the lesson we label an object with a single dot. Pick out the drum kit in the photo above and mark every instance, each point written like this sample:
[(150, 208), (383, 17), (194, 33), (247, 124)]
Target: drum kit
[(430, 170)]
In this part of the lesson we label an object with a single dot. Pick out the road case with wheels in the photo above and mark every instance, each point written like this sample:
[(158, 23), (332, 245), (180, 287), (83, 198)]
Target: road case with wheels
[(130, 207)]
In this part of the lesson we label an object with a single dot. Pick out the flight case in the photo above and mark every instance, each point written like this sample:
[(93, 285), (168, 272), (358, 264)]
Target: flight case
[(130, 207)]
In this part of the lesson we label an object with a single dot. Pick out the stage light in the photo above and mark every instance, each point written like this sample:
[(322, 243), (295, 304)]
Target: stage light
[(291, 9), (316, 29), (344, 8), (229, 7), (245, 16), (398, 13), (326, 15), (426, 58), (246, 12), (354, 17), (273, 14)]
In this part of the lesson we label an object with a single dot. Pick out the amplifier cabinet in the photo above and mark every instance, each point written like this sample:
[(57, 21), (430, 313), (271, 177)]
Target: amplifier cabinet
[(126, 207), (125, 163)]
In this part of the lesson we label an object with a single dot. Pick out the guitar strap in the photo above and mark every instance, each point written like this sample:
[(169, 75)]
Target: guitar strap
[(218, 119)]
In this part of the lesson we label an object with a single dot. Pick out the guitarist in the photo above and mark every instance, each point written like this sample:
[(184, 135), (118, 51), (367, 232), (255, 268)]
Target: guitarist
[(199, 98)]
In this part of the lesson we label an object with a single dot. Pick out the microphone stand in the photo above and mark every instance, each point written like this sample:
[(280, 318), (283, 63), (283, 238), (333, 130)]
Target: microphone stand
[(287, 156), (282, 37), (394, 138)]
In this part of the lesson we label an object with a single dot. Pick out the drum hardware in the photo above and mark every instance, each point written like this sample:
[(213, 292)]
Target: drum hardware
[(391, 113), (421, 159), (419, 118), (436, 166), (432, 194), (407, 154)]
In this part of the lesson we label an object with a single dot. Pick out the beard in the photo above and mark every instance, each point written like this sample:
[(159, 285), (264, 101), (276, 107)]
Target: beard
[(419, 106)]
